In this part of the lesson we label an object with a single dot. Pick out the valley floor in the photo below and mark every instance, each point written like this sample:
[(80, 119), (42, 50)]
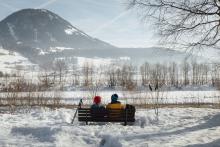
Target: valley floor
[(135, 97), (192, 127)]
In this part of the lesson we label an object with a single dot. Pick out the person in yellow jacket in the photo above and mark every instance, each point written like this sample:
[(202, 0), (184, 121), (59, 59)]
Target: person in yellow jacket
[(115, 104)]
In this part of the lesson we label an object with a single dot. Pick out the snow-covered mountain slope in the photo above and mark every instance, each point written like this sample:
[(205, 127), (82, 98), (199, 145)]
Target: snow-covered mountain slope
[(12, 60), (139, 55), (40, 28), (42, 36)]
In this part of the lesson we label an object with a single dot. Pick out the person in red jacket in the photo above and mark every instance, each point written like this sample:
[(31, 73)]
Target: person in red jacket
[(97, 103)]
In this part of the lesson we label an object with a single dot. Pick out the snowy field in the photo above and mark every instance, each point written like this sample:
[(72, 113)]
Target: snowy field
[(192, 127), (165, 97), (11, 60)]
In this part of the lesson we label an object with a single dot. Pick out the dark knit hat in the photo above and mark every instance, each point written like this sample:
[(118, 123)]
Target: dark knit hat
[(114, 97)]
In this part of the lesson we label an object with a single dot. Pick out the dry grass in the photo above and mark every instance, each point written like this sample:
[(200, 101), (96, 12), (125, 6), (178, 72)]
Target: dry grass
[(151, 106), (12, 108), (14, 101)]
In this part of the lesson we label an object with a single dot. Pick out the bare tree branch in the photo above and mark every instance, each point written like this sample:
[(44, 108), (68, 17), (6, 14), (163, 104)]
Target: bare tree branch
[(192, 23)]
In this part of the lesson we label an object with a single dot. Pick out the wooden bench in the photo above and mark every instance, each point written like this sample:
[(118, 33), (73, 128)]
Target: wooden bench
[(106, 115)]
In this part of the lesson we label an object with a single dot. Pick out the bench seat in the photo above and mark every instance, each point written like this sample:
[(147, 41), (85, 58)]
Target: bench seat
[(106, 115)]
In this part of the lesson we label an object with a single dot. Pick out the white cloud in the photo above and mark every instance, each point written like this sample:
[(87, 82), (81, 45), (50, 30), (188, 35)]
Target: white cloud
[(109, 23), (44, 5)]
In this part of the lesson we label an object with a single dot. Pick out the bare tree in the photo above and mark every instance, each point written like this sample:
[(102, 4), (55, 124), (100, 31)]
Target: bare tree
[(127, 77), (144, 70), (87, 73), (191, 23), (185, 71), (215, 74), (75, 76), (173, 74), (111, 75), (44, 80), (194, 73), (60, 66)]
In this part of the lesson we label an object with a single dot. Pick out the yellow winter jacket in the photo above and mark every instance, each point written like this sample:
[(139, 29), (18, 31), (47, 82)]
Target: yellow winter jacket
[(115, 106)]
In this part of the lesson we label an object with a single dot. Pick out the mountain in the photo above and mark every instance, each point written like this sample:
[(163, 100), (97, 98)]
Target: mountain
[(42, 36), (44, 30)]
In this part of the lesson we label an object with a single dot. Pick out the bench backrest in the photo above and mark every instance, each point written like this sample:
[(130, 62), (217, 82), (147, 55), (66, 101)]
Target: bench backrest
[(106, 115)]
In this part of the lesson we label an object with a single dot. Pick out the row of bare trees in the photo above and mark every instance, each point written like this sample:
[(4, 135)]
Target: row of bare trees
[(129, 77), (122, 77), (178, 75)]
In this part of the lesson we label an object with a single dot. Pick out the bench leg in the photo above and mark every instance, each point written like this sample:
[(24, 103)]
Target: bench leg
[(86, 122), (126, 115)]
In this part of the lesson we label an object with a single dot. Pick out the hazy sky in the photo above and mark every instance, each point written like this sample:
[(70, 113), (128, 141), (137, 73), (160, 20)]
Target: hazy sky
[(108, 20)]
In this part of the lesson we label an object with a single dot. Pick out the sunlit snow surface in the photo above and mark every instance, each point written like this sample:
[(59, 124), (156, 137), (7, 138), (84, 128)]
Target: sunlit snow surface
[(165, 97), (10, 60), (70, 31), (175, 127)]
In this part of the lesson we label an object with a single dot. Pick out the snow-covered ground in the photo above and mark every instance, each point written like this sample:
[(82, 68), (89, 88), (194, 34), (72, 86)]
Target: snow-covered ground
[(165, 97), (193, 127), (10, 61), (98, 62)]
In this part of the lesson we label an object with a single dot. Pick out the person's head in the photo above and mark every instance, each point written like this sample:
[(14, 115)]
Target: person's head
[(114, 98), (97, 100)]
